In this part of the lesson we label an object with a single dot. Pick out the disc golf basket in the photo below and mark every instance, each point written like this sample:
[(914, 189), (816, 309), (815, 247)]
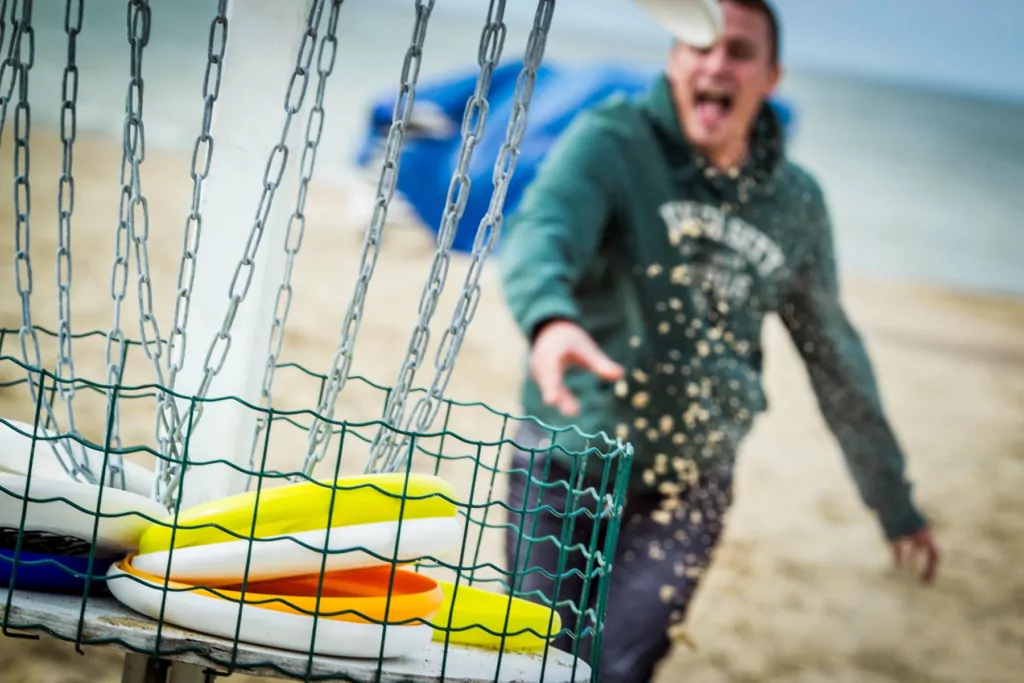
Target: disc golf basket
[(155, 497)]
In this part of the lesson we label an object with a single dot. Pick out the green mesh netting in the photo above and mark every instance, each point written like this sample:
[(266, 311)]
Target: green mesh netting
[(82, 611)]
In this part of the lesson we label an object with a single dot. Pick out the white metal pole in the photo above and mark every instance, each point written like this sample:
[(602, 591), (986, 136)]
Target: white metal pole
[(263, 40)]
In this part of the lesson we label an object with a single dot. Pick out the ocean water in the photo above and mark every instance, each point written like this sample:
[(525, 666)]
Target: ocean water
[(924, 186)]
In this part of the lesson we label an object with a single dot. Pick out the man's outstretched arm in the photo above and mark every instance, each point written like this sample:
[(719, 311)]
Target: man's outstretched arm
[(547, 246), (844, 383)]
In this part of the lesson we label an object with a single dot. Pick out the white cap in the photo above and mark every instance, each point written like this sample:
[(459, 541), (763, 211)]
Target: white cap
[(694, 22)]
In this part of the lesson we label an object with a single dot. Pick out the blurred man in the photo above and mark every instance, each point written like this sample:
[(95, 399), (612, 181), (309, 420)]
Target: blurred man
[(640, 264)]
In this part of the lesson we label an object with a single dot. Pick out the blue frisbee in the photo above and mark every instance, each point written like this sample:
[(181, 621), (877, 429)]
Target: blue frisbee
[(50, 563)]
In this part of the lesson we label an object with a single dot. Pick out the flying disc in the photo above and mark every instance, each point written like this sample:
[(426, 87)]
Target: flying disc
[(49, 563), (369, 591), (354, 595), (226, 563), (205, 612), (478, 618), (69, 508), (694, 22), (16, 455), (305, 506)]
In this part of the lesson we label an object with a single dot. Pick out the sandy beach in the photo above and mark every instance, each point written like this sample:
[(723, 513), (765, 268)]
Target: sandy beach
[(803, 589)]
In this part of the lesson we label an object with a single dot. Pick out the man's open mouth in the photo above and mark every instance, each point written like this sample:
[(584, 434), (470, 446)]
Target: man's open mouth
[(712, 106), (715, 99)]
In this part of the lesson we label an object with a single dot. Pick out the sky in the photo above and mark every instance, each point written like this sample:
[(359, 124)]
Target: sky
[(971, 46)]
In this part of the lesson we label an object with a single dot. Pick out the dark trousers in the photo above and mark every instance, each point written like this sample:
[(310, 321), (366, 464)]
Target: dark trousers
[(664, 547)]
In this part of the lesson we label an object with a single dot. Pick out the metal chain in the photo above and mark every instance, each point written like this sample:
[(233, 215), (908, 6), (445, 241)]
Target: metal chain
[(139, 21), (73, 12), (3, 64), (169, 477), (23, 39), (133, 152), (341, 362), (116, 344), (474, 120), (393, 453), (7, 66), (168, 417), (297, 223)]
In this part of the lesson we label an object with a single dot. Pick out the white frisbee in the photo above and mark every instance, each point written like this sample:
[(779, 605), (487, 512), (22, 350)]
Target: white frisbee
[(262, 626), (47, 509), (16, 455), (694, 22), (224, 564)]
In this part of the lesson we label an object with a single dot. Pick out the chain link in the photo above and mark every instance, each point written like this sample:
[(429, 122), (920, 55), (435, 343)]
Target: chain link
[(73, 12), (297, 223), (8, 68), (341, 362), (133, 224), (169, 476), (23, 41), (138, 20), (168, 416), (475, 118), (393, 455)]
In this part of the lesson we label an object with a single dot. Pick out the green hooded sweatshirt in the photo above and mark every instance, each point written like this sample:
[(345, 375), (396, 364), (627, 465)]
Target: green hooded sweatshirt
[(671, 266)]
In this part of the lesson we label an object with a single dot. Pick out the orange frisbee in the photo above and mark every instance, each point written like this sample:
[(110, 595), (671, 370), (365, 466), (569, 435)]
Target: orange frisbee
[(342, 595)]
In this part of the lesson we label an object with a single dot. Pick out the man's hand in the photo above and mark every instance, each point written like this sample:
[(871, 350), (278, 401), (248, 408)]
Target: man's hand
[(912, 549), (558, 344)]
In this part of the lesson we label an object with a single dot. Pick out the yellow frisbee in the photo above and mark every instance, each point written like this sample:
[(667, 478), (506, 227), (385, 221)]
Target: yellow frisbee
[(305, 506), (481, 609)]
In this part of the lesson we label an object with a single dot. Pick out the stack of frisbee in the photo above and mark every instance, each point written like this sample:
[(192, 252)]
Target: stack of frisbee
[(254, 567), (260, 556)]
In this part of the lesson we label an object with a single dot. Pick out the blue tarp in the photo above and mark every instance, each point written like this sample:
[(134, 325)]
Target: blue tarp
[(430, 150)]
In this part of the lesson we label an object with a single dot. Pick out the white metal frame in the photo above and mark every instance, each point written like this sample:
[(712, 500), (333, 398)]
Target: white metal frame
[(264, 37)]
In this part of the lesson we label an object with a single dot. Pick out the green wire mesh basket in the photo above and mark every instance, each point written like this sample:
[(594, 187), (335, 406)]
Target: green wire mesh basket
[(162, 502), (61, 585)]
